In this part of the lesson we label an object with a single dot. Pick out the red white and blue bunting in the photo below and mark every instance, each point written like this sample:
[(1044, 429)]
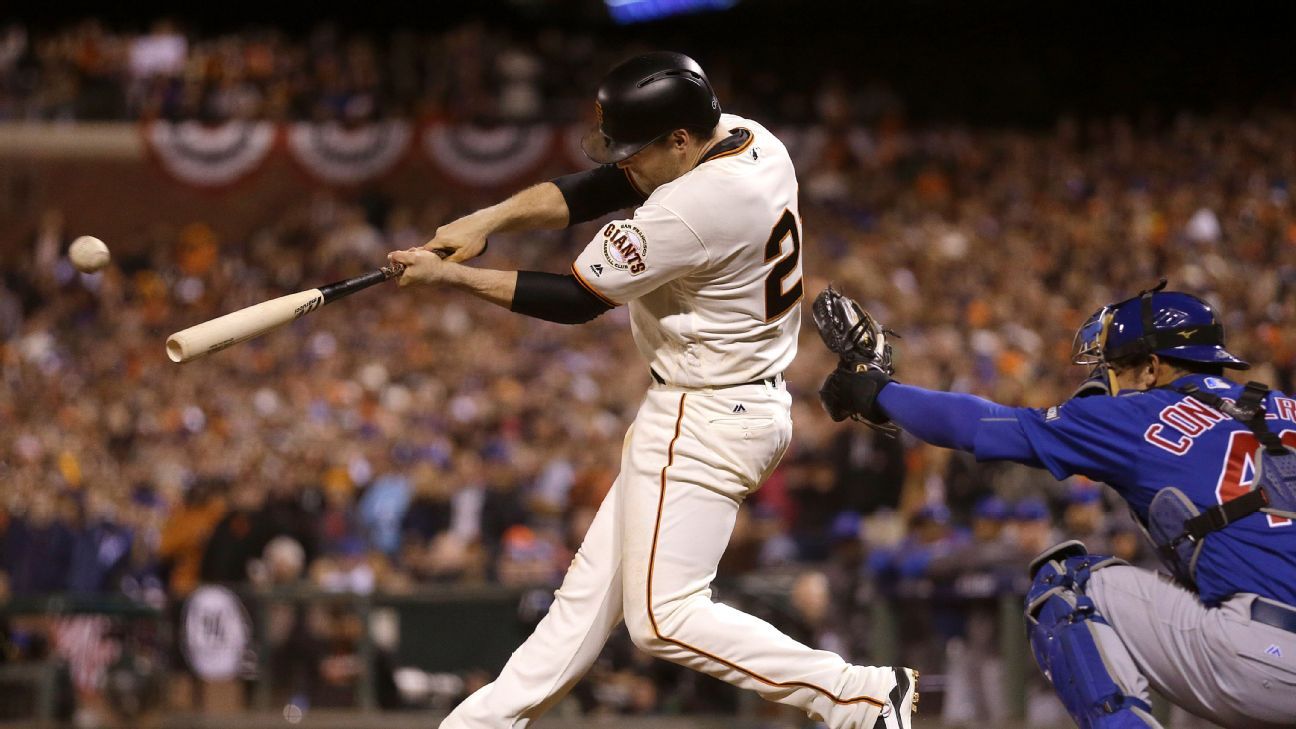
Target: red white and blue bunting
[(487, 157), (341, 155), (210, 156), (214, 156)]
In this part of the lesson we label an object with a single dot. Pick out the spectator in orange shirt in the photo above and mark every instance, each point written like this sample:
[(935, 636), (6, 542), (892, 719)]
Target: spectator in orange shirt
[(184, 538)]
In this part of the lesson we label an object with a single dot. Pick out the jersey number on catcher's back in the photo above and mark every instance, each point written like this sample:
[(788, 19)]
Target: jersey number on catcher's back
[(779, 299)]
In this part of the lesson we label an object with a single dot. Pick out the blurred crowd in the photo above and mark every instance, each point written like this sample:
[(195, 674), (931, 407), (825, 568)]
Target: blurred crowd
[(471, 71), (413, 438)]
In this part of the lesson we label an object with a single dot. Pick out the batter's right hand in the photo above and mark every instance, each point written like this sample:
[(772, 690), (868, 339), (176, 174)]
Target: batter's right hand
[(460, 239)]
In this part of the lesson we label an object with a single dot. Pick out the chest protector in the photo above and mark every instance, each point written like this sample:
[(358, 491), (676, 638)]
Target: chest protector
[(1178, 528)]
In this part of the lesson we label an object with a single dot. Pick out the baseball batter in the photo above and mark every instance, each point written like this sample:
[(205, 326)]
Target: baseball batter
[(710, 267), (1207, 467)]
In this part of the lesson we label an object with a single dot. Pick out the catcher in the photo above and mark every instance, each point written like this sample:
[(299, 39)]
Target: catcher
[(1219, 639)]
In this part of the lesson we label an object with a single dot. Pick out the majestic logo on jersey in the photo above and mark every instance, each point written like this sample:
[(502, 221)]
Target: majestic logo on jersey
[(597, 268), (739, 408), (625, 247)]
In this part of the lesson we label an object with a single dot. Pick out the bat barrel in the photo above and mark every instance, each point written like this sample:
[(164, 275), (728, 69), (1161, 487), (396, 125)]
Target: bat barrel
[(230, 329), (242, 325)]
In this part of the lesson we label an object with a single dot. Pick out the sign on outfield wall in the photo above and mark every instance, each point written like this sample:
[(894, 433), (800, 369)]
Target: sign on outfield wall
[(217, 633)]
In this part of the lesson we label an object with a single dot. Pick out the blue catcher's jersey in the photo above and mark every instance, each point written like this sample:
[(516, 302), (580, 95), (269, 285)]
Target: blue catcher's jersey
[(1141, 442)]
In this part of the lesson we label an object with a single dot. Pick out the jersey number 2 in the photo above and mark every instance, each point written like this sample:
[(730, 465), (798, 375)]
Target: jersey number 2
[(1239, 463), (779, 299)]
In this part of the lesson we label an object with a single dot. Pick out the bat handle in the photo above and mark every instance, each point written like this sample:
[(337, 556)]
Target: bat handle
[(338, 289)]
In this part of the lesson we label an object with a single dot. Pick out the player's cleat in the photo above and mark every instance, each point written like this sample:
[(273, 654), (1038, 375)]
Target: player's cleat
[(902, 702)]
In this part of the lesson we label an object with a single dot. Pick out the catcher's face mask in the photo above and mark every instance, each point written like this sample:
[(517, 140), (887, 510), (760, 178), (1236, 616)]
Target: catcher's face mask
[(1088, 346), (1086, 349)]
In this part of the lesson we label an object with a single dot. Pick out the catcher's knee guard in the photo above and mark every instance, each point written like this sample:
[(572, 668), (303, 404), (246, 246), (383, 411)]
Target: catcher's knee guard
[(1064, 628)]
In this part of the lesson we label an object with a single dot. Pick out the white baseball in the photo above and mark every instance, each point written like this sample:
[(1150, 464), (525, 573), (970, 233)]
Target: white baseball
[(89, 254)]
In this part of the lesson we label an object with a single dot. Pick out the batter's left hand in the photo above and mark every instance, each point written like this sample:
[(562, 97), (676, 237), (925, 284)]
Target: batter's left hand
[(421, 266)]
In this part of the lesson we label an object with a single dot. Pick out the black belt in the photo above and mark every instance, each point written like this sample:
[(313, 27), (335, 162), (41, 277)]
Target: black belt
[(1279, 616), (772, 381)]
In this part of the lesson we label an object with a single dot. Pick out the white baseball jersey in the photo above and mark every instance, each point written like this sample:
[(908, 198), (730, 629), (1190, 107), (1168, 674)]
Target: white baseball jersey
[(710, 265)]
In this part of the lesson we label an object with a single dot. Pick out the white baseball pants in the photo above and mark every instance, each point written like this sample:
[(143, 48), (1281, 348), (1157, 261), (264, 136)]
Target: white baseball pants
[(687, 463)]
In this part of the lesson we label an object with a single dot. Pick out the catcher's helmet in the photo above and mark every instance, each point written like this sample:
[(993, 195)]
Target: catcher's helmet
[(644, 99), (1166, 323)]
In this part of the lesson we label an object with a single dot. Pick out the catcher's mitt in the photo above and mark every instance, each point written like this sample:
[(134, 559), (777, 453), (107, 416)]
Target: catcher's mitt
[(865, 360), (859, 341)]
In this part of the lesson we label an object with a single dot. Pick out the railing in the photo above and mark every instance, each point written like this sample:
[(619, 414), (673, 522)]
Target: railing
[(482, 620), (31, 684), (35, 685), (885, 605), (449, 629)]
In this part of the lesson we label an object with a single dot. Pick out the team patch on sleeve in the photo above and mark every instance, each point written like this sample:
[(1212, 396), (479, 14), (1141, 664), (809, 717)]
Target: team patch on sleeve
[(625, 247)]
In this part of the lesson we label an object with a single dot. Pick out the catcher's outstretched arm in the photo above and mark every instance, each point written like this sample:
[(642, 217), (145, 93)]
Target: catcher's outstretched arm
[(955, 420)]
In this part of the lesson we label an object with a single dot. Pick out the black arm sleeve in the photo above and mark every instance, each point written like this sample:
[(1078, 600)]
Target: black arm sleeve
[(597, 192), (555, 297)]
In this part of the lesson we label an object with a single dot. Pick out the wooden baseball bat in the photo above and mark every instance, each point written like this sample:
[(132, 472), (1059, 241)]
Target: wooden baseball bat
[(240, 326)]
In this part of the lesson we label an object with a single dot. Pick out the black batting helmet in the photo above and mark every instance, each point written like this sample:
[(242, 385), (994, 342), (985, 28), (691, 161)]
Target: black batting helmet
[(644, 99)]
